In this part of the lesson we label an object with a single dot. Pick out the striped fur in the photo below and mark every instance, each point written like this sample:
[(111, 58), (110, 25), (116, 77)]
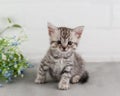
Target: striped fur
[(61, 60)]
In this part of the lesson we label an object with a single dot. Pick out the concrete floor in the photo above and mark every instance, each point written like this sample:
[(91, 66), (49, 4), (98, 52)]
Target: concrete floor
[(104, 81)]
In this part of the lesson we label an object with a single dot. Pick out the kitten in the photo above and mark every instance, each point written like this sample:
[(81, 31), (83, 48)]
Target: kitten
[(61, 60)]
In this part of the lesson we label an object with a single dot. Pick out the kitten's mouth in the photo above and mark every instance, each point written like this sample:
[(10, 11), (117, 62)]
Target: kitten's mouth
[(64, 50)]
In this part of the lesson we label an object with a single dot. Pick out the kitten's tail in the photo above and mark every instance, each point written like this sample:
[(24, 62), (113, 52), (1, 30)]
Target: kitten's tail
[(84, 77)]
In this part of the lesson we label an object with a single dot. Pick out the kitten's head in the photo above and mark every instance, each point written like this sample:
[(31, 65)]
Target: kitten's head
[(64, 39)]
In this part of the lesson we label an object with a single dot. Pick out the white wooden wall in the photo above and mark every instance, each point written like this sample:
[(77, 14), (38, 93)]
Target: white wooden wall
[(101, 37)]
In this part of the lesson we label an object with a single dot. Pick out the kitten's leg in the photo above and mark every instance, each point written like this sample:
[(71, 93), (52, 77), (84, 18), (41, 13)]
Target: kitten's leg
[(64, 83), (41, 75), (81, 75)]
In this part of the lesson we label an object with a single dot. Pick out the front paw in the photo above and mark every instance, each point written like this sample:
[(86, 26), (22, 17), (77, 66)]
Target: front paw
[(63, 86), (40, 80)]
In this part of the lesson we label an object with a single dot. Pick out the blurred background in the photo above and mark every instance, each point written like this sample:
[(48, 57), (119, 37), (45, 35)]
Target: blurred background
[(100, 41)]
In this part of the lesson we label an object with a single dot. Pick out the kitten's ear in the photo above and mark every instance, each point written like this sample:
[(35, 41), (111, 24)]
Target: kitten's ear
[(51, 28), (78, 31)]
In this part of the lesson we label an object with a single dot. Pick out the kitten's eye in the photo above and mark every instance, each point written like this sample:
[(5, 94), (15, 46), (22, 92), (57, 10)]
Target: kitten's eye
[(70, 43), (58, 42)]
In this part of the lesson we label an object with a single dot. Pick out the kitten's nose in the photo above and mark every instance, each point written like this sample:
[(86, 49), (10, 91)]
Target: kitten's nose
[(64, 48)]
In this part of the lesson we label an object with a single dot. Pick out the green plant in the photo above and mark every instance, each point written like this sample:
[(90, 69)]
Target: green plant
[(12, 61)]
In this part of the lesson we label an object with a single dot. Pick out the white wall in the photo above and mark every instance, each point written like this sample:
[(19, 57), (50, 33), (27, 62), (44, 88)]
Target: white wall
[(101, 37)]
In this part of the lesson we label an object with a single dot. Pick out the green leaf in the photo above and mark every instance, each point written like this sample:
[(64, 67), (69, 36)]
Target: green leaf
[(21, 56), (16, 56), (9, 20), (16, 26), (0, 56)]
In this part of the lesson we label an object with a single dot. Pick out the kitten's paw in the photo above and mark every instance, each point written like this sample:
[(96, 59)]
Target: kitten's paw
[(40, 80), (63, 86), (75, 79)]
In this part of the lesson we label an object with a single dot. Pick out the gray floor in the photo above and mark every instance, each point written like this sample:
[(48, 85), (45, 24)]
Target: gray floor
[(104, 81)]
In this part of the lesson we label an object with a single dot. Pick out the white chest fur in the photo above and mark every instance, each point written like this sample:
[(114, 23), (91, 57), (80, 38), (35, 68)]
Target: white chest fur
[(59, 65)]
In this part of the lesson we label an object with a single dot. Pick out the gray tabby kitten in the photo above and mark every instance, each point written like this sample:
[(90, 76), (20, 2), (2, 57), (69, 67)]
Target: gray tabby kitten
[(61, 60)]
